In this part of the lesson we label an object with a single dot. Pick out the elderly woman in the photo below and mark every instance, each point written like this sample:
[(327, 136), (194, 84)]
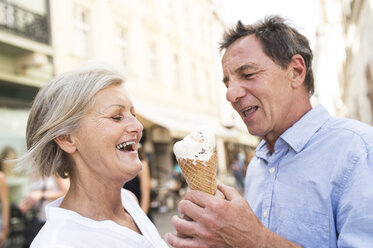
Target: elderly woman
[(83, 126)]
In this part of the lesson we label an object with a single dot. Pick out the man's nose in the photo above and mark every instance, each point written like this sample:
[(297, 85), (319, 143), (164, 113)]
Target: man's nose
[(234, 92)]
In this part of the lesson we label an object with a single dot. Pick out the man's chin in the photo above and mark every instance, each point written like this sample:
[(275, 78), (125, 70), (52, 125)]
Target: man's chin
[(255, 132)]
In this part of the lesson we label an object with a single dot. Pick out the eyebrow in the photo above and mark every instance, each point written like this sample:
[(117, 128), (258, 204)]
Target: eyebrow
[(116, 105), (245, 66), (240, 69), (132, 108)]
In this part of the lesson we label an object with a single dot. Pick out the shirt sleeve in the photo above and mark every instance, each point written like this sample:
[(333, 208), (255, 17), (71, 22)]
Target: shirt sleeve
[(354, 215), (63, 246)]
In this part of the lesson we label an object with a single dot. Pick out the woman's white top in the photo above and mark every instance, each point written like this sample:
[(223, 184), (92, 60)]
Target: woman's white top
[(67, 229)]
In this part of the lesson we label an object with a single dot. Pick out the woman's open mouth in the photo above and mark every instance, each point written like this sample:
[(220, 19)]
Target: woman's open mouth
[(126, 146)]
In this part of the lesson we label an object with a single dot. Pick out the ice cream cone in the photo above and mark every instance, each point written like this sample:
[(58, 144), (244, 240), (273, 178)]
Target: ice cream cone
[(200, 175)]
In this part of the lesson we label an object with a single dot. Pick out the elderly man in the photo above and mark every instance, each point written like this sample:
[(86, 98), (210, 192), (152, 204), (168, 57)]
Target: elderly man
[(310, 182)]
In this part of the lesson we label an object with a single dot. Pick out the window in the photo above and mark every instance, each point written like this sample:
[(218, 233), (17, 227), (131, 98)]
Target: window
[(152, 62), (209, 91), (80, 32), (7, 15), (186, 15), (195, 83), (122, 47), (176, 71), (369, 82)]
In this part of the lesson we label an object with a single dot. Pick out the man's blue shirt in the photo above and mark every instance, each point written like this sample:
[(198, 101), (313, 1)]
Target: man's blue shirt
[(316, 189)]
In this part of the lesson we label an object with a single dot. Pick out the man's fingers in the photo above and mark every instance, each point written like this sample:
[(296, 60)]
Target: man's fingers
[(190, 209), (178, 242), (183, 227), (185, 217), (219, 194), (229, 192), (198, 197)]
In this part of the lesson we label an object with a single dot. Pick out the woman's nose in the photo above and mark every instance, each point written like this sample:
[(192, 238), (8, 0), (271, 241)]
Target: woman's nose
[(135, 125)]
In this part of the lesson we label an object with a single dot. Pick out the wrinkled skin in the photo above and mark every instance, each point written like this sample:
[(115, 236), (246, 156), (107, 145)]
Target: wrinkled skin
[(217, 222)]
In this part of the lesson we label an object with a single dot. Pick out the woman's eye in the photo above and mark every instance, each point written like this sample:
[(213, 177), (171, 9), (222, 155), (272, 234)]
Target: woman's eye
[(117, 118)]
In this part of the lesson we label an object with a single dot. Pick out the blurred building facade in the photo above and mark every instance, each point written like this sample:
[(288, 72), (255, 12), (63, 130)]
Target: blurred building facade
[(344, 61), (167, 51), (358, 69), (329, 57), (25, 65)]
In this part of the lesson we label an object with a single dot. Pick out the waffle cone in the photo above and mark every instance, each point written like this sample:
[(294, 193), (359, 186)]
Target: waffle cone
[(200, 175)]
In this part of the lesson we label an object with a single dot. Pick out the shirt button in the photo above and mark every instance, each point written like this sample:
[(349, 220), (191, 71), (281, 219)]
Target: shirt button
[(265, 214), (271, 170)]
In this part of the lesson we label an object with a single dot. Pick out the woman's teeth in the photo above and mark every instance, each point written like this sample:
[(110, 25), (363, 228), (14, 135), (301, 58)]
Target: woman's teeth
[(126, 146)]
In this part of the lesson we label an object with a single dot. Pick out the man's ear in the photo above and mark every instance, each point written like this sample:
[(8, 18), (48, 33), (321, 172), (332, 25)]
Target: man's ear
[(297, 71), (66, 143)]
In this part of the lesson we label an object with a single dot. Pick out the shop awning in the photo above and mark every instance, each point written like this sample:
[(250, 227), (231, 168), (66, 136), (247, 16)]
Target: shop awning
[(181, 122), (243, 137)]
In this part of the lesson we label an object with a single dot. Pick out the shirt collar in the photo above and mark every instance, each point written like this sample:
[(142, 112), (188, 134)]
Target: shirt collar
[(300, 133), (261, 150)]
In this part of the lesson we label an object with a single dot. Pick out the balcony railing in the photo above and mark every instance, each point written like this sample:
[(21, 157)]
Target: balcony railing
[(22, 22)]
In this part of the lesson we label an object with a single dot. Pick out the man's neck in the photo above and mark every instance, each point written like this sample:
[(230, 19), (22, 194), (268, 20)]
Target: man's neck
[(294, 116)]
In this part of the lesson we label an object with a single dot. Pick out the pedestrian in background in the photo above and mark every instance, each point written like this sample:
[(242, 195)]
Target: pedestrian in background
[(140, 185), (43, 192), (310, 182), (7, 153), (238, 166)]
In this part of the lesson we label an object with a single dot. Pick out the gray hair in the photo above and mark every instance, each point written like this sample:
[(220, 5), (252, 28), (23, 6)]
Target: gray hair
[(279, 41), (57, 110)]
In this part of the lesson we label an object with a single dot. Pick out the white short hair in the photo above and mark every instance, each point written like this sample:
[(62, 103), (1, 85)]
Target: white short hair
[(57, 110)]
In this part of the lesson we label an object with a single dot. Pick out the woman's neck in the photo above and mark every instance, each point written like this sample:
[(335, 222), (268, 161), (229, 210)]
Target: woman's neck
[(93, 198)]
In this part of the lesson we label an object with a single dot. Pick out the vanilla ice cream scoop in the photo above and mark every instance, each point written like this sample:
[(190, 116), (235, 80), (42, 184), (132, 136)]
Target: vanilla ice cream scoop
[(196, 156), (198, 145)]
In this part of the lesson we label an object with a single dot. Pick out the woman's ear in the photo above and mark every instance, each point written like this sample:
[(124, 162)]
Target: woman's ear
[(66, 143), (298, 70)]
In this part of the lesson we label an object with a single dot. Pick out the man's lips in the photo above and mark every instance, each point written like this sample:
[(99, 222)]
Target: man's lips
[(246, 112)]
